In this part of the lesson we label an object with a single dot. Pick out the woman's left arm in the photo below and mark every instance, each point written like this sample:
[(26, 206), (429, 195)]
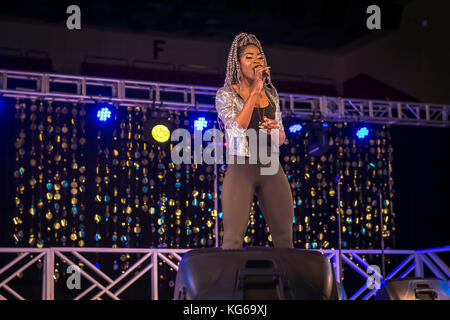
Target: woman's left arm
[(281, 134)]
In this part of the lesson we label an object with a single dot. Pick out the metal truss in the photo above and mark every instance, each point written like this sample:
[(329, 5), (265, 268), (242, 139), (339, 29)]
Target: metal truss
[(415, 260), (106, 287), (120, 92)]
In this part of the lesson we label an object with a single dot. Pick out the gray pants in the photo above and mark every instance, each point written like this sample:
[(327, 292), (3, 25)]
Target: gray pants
[(275, 200)]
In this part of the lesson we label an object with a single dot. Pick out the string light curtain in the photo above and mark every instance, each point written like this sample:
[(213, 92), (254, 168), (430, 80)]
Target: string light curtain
[(147, 200), (84, 183), (50, 176)]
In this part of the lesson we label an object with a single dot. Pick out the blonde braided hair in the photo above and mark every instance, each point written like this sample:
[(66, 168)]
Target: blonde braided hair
[(233, 74)]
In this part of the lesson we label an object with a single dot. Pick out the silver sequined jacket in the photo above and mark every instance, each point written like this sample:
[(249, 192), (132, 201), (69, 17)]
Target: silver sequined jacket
[(228, 106)]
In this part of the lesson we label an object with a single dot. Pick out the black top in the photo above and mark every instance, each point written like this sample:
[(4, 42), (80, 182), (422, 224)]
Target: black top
[(257, 115)]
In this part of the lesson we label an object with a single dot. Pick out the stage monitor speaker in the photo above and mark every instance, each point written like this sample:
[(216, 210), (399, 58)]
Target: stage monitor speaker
[(414, 289), (255, 273)]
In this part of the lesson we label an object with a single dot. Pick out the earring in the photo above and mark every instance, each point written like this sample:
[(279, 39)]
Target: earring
[(239, 79)]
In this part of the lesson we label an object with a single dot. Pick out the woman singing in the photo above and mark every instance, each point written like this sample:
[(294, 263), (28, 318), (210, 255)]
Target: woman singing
[(249, 101)]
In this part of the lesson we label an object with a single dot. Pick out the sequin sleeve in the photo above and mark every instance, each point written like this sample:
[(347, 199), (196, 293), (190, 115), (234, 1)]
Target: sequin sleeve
[(278, 112), (227, 112)]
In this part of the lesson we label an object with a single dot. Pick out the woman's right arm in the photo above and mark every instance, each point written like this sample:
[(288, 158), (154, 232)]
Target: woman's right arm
[(244, 117), (224, 104), (230, 118), (225, 110)]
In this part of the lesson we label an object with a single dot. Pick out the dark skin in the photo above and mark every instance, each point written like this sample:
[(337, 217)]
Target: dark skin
[(251, 89)]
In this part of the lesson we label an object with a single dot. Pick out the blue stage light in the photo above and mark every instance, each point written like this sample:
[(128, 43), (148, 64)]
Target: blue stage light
[(325, 125), (362, 133), (200, 123), (104, 114), (295, 128)]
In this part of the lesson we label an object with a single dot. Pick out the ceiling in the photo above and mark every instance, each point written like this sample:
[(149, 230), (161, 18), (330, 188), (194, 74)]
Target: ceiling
[(313, 24)]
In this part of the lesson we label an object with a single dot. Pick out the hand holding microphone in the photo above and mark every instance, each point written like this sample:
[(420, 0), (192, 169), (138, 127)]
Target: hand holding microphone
[(261, 73), (264, 70)]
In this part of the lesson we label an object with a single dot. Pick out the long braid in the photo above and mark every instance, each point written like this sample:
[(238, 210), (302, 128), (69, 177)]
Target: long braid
[(233, 74)]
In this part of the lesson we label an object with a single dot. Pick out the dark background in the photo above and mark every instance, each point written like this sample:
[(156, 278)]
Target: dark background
[(421, 177)]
